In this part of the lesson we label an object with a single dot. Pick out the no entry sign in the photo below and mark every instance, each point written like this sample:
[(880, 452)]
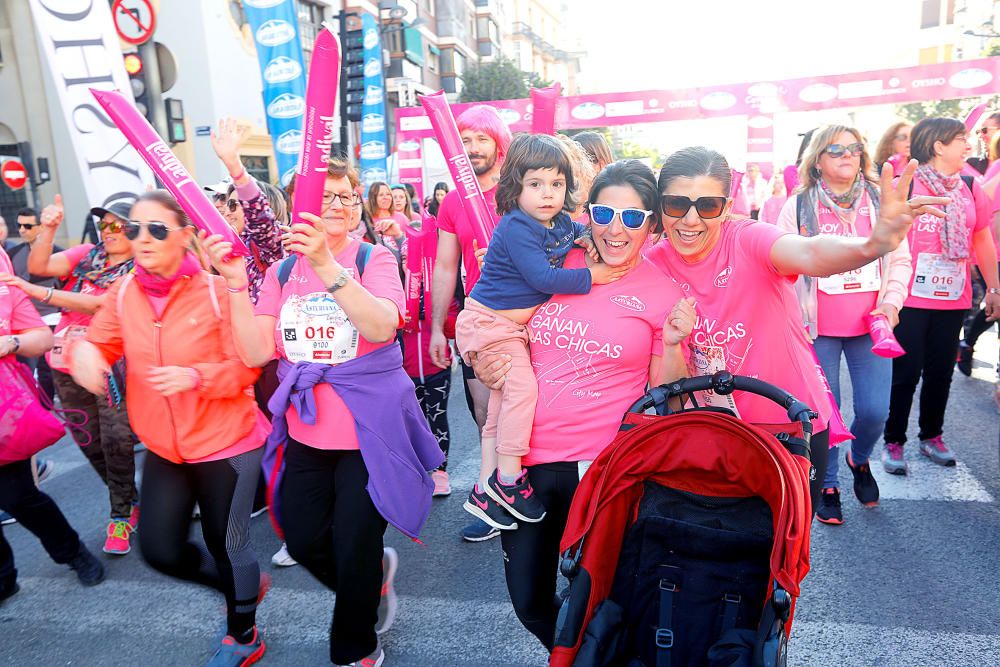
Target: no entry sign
[(14, 174)]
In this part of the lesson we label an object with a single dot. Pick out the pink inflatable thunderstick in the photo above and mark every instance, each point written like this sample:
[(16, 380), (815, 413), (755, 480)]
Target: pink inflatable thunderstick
[(175, 178), (543, 109), (317, 126), (446, 131)]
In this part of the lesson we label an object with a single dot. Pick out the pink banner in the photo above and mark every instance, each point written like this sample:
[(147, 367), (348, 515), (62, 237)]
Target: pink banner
[(543, 109), (446, 131), (317, 126), (421, 254), (942, 81), (175, 178), (409, 160), (760, 143)]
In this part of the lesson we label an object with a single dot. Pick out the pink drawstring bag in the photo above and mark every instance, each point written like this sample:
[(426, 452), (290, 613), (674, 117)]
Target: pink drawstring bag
[(884, 343), (26, 424)]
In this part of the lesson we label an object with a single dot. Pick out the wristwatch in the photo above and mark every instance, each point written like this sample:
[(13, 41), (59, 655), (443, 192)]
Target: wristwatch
[(341, 280), (17, 344), (993, 290)]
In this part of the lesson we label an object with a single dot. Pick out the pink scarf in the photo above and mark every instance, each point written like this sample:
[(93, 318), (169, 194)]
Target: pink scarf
[(954, 231), (158, 287)]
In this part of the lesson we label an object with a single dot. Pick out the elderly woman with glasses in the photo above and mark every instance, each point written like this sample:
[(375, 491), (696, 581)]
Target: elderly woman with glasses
[(356, 447), (741, 273), (189, 401), (106, 439), (838, 195)]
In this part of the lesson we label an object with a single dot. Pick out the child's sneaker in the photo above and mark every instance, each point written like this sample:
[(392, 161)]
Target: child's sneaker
[(484, 508), (133, 517), (518, 498)]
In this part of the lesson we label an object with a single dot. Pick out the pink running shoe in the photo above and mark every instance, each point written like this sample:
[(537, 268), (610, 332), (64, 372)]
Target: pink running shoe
[(119, 533), (442, 487), (133, 518), (892, 459), (938, 452)]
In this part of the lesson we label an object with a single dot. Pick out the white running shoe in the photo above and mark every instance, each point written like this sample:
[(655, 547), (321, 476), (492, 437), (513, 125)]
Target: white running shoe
[(282, 558)]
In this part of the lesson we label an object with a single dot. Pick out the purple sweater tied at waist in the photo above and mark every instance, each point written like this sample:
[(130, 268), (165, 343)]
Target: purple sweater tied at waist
[(396, 443)]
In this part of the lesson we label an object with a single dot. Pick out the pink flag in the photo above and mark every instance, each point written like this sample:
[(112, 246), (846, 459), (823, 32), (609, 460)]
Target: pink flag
[(175, 178), (317, 126), (543, 109), (446, 131)]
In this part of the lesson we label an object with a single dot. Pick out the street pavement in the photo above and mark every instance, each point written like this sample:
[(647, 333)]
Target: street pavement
[(912, 582)]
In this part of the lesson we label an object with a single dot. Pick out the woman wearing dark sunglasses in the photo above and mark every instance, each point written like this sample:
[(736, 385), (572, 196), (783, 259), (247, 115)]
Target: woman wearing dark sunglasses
[(189, 402), (839, 196), (92, 269), (593, 354), (940, 294), (741, 273)]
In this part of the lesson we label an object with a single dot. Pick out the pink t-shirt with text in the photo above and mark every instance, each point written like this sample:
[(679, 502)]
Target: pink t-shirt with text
[(452, 218), (925, 238), (842, 315), (334, 428), (749, 320), (591, 355)]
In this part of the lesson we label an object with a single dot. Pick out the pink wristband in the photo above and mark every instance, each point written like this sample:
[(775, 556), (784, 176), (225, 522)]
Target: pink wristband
[(237, 290), (196, 376)]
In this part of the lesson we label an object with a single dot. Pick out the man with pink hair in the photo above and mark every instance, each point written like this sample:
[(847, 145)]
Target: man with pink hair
[(486, 138)]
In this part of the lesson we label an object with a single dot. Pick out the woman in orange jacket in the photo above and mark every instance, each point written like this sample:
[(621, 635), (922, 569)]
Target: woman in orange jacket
[(190, 399)]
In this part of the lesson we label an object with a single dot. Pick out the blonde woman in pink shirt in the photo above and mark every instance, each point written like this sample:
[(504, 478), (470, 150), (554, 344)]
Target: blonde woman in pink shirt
[(838, 196), (742, 273)]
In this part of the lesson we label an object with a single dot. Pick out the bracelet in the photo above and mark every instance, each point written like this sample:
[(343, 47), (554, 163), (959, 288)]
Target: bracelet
[(237, 290), (48, 295), (243, 172)]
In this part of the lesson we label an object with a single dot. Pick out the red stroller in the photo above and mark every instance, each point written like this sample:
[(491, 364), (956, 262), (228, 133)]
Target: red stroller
[(688, 537)]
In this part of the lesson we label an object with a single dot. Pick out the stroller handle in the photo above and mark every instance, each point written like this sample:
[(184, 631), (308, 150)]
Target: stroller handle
[(725, 383)]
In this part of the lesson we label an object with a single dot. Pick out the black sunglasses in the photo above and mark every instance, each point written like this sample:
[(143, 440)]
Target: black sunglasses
[(837, 150), (23, 225), (232, 205), (676, 206), (158, 230)]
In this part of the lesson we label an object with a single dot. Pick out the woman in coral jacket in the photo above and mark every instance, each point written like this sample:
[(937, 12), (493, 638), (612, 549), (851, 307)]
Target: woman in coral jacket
[(191, 401)]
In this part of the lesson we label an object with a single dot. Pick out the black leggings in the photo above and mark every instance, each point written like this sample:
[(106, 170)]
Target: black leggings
[(930, 338), (333, 529), (432, 394), (531, 553), (224, 491), (38, 513)]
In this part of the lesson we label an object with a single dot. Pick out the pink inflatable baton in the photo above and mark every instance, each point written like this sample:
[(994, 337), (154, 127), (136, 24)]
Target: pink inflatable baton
[(543, 109), (974, 116), (884, 343), (446, 131), (838, 429), (317, 126), (175, 178)]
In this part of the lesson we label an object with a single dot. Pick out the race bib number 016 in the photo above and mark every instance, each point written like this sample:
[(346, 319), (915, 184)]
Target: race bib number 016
[(937, 277), (866, 279), (315, 328)]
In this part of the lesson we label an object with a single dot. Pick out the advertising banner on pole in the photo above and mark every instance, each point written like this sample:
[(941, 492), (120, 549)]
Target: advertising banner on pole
[(81, 51), (283, 73), (374, 139)]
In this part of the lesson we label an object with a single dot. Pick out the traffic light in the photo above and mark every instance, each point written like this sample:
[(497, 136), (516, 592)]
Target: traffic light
[(354, 74), (137, 79)]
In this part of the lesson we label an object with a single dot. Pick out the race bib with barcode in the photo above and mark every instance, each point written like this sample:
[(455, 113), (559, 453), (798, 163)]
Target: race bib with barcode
[(313, 327), (937, 277)]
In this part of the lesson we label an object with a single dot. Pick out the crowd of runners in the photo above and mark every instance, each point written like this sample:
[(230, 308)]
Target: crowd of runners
[(298, 378)]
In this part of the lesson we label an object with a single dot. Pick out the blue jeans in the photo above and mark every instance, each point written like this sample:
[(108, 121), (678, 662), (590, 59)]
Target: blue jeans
[(871, 379)]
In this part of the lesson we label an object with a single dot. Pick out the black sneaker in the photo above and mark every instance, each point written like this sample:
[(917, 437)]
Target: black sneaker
[(829, 508), (479, 531), (519, 498), (484, 508), (88, 569), (865, 486), (964, 362)]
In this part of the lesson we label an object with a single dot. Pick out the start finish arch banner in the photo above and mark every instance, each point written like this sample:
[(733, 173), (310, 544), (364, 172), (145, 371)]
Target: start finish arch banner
[(79, 47), (759, 100)]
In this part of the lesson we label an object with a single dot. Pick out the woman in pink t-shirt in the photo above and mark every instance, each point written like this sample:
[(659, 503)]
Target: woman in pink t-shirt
[(894, 147), (91, 270), (389, 224), (839, 197), (593, 355), (742, 274), (940, 291), (356, 448)]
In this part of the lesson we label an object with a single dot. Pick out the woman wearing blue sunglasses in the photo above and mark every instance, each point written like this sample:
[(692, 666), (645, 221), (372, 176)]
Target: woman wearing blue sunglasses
[(592, 354)]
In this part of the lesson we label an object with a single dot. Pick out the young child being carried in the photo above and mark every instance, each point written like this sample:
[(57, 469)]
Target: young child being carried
[(523, 268)]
